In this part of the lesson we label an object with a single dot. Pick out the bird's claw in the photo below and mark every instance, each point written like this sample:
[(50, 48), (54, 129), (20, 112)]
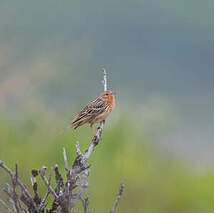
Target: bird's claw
[(95, 138)]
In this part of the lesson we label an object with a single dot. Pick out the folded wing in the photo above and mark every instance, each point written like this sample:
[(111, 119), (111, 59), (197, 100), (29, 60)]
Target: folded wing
[(89, 113)]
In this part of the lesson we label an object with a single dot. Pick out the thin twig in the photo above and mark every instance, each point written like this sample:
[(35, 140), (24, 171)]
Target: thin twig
[(118, 198), (104, 79), (85, 203), (65, 198), (22, 186), (44, 199), (95, 141), (6, 206), (48, 190), (66, 161), (15, 197), (78, 149), (42, 174), (15, 181), (59, 180), (74, 211), (36, 198)]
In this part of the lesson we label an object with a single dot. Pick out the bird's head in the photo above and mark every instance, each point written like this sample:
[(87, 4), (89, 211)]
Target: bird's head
[(108, 96)]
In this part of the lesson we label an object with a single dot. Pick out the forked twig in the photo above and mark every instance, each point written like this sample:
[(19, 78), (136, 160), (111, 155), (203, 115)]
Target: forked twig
[(85, 204), (6, 206), (118, 198), (47, 192), (42, 174), (65, 197)]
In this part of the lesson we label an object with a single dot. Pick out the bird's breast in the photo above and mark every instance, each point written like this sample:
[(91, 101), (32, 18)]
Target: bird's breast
[(111, 103)]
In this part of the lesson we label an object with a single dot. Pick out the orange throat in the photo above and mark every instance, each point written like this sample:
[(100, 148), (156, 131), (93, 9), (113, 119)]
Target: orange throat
[(111, 103)]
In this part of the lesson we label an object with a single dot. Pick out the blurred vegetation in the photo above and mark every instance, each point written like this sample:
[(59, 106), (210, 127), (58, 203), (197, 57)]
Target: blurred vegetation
[(155, 181), (51, 51)]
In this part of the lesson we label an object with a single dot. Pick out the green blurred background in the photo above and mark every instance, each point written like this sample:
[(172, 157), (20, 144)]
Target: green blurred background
[(159, 59)]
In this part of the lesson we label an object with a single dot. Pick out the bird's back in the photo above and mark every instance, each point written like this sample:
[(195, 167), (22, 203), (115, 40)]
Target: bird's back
[(90, 112)]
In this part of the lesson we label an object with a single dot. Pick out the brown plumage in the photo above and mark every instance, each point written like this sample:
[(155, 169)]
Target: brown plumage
[(96, 111)]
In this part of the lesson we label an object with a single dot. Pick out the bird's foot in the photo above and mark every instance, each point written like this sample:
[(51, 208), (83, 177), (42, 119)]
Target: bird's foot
[(95, 138)]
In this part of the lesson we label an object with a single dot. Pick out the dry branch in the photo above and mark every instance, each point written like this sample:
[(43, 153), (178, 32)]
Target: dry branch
[(118, 198), (65, 198), (6, 206)]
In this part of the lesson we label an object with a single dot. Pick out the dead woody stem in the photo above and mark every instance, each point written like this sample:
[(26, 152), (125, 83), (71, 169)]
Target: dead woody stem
[(65, 198)]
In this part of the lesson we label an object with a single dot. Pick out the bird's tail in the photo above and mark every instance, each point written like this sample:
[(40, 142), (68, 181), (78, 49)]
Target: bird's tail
[(66, 128)]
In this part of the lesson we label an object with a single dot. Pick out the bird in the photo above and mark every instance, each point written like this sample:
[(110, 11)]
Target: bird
[(95, 111)]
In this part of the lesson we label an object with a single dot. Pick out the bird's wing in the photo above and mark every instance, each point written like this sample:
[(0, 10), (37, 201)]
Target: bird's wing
[(88, 113)]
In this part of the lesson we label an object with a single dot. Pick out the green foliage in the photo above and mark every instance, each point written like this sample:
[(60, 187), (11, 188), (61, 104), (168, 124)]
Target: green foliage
[(154, 181)]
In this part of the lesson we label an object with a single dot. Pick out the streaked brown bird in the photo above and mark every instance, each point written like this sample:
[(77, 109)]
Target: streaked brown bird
[(96, 111)]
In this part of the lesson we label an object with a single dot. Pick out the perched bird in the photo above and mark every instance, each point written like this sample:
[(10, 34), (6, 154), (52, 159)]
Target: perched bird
[(96, 111)]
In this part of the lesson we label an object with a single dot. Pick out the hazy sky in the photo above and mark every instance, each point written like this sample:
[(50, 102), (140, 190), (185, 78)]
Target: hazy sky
[(150, 48)]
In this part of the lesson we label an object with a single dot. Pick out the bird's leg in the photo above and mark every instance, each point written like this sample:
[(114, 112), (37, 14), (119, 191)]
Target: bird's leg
[(92, 128)]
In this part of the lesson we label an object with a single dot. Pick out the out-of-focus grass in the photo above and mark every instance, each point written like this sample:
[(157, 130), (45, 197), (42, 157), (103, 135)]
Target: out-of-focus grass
[(154, 181)]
